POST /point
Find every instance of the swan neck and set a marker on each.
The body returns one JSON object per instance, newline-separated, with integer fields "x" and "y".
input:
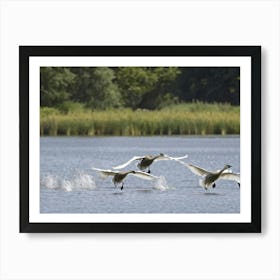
{"x": 225, "y": 168}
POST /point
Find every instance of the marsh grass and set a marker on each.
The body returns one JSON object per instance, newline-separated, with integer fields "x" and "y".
{"x": 184, "y": 119}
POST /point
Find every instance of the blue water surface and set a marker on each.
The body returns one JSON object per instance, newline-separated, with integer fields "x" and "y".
{"x": 68, "y": 185}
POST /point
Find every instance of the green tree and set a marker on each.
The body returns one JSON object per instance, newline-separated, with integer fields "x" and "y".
{"x": 133, "y": 83}
{"x": 164, "y": 90}
{"x": 55, "y": 85}
{"x": 145, "y": 87}
{"x": 95, "y": 87}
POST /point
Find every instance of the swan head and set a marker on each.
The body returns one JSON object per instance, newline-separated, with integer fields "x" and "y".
{"x": 161, "y": 154}
{"x": 227, "y": 166}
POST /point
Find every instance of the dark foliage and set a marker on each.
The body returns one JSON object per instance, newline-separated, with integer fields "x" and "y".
{"x": 101, "y": 88}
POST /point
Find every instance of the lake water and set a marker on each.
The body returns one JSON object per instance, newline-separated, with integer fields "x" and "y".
{"x": 68, "y": 185}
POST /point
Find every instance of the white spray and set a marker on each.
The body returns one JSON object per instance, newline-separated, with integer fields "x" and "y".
{"x": 80, "y": 181}
{"x": 161, "y": 184}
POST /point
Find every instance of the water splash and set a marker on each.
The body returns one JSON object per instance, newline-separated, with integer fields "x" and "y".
{"x": 161, "y": 184}
{"x": 79, "y": 181}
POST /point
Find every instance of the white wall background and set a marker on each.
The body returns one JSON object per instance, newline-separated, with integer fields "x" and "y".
{"x": 139, "y": 256}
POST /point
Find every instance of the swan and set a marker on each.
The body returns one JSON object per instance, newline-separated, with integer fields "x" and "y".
{"x": 146, "y": 161}
{"x": 118, "y": 176}
{"x": 210, "y": 177}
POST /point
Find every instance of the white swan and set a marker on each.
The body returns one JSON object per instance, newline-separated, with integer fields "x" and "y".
{"x": 146, "y": 161}
{"x": 118, "y": 176}
{"x": 210, "y": 177}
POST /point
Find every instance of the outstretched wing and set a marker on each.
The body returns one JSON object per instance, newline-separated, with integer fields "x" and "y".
{"x": 144, "y": 175}
{"x": 166, "y": 157}
{"x": 105, "y": 172}
{"x": 230, "y": 176}
{"x": 196, "y": 170}
{"x": 128, "y": 162}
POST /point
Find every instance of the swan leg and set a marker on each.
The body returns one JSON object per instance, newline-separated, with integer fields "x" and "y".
{"x": 122, "y": 186}
{"x": 214, "y": 185}
{"x": 238, "y": 185}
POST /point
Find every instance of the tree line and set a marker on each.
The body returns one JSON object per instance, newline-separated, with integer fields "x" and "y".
{"x": 101, "y": 88}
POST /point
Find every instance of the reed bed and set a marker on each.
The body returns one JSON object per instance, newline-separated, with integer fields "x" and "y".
{"x": 187, "y": 119}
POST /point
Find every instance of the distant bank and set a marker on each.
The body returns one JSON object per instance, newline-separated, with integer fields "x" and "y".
{"x": 183, "y": 119}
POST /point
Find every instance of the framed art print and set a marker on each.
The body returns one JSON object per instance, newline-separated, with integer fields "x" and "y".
{"x": 140, "y": 138}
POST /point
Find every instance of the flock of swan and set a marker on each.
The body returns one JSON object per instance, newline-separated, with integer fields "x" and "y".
{"x": 207, "y": 180}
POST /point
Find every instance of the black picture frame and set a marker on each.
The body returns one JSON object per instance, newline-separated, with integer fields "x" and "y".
{"x": 25, "y": 52}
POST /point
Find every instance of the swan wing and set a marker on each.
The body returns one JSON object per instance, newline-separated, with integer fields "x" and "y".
{"x": 196, "y": 170}
{"x": 230, "y": 176}
{"x": 166, "y": 157}
{"x": 144, "y": 175}
{"x": 105, "y": 172}
{"x": 128, "y": 162}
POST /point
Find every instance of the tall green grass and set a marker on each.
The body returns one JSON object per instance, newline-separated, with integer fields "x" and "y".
{"x": 183, "y": 119}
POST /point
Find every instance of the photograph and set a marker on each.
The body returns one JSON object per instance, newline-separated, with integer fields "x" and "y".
{"x": 124, "y": 136}
{"x": 139, "y": 140}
